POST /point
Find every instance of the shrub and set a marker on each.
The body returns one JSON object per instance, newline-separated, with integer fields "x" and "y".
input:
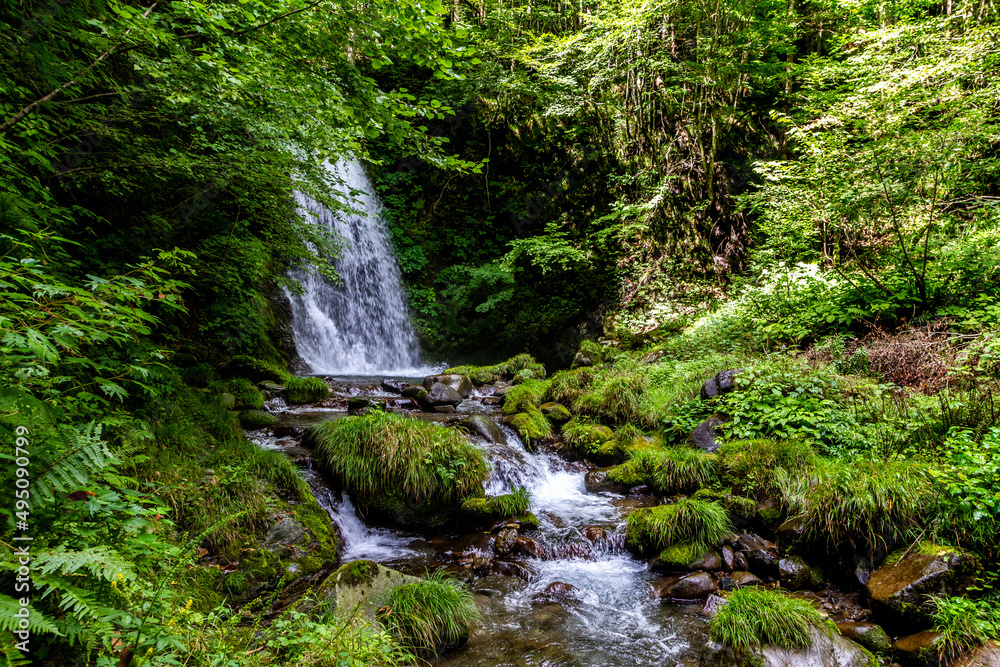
{"x": 964, "y": 624}
{"x": 527, "y": 394}
{"x": 531, "y": 425}
{"x": 755, "y": 617}
{"x": 306, "y": 390}
{"x": 430, "y": 615}
{"x": 752, "y": 465}
{"x": 857, "y": 502}
{"x": 969, "y": 490}
{"x": 248, "y": 397}
{"x": 257, "y": 370}
{"x": 506, "y": 370}
{"x": 384, "y": 454}
{"x": 616, "y": 394}
{"x": 671, "y": 470}
{"x": 699, "y": 523}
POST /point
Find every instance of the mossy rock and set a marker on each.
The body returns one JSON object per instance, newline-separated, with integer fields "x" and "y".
{"x": 506, "y": 370}
{"x": 257, "y": 370}
{"x": 904, "y": 582}
{"x": 556, "y": 412}
{"x": 256, "y": 419}
{"x": 246, "y": 396}
{"x": 300, "y": 391}
{"x": 531, "y": 425}
{"x": 360, "y": 586}
{"x": 582, "y": 436}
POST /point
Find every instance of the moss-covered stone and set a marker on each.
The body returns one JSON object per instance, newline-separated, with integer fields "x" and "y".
{"x": 909, "y": 576}
{"x": 506, "y": 370}
{"x": 299, "y": 391}
{"x": 254, "y": 419}
{"x": 556, "y": 412}
{"x": 531, "y": 425}
{"x": 257, "y": 370}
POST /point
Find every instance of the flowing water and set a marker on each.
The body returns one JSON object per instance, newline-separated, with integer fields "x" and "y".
{"x": 360, "y": 326}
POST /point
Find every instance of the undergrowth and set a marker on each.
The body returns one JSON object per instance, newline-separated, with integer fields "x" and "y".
{"x": 431, "y": 615}
{"x": 754, "y": 617}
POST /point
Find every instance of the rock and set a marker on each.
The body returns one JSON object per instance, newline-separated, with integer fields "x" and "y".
{"x": 790, "y": 532}
{"x": 761, "y": 555}
{"x": 509, "y": 568}
{"x": 556, "y": 412}
{"x": 486, "y": 427}
{"x": 869, "y": 635}
{"x": 273, "y": 387}
{"x": 442, "y": 394}
{"x": 728, "y": 557}
{"x": 415, "y": 392}
{"x": 227, "y": 401}
{"x": 742, "y": 578}
{"x": 769, "y": 511}
{"x": 505, "y": 541}
{"x": 707, "y": 561}
{"x": 559, "y": 589}
{"x": 740, "y": 562}
{"x": 903, "y": 583}
{"x": 596, "y": 481}
{"x": 706, "y": 434}
{"x": 362, "y": 585}
{"x": 794, "y": 573}
{"x": 595, "y": 534}
{"x": 286, "y": 431}
{"x": 581, "y": 359}
{"x": 984, "y": 656}
{"x": 827, "y": 650}
{"x": 444, "y": 408}
{"x": 393, "y": 386}
{"x": 284, "y": 536}
{"x": 713, "y": 604}
{"x": 694, "y": 586}
{"x": 526, "y": 546}
{"x": 358, "y": 404}
{"x": 721, "y": 383}
{"x": 254, "y": 419}
{"x": 460, "y": 383}
{"x": 501, "y": 389}
{"x": 917, "y": 650}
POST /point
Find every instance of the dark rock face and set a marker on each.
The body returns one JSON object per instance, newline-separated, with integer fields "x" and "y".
{"x": 393, "y": 386}
{"x": 688, "y": 588}
{"x": 869, "y": 635}
{"x": 761, "y": 555}
{"x": 596, "y": 481}
{"x": 713, "y": 604}
{"x": 526, "y": 546}
{"x": 721, "y": 383}
{"x": 706, "y": 434}
{"x": 486, "y": 427}
{"x": 442, "y": 394}
{"x": 794, "y": 573}
{"x": 460, "y": 383}
{"x": 413, "y": 391}
{"x": 558, "y": 589}
{"x": 903, "y": 584}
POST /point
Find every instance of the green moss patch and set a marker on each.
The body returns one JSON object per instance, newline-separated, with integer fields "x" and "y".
{"x": 531, "y": 425}
{"x": 257, "y": 370}
{"x": 690, "y": 521}
{"x": 299, "y": 391}
{"x": 487, "y": 510}
{"x": 525, "y": 395}
{"x": 506, "y": 370}
{"x": 752, "y": 465}
{"x": 670, "y": 470}
{"x": 755, "y": 617}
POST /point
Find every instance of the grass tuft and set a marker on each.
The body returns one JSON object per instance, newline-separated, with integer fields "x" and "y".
{"x": 248, "y": 397}
{"x": 515, "y": 503}
{"x": 430, "y": 615}
{"x": 582, "y": 435}
{"x": 306, "y": 390}
{"x": 527, "y": 394}
{"x": 755, "y": 617}
{"x": 671, "y": 470}
{"x": 752, "y": 465}
{"x": 964, "y": 624}
{"x": 699, "y": 523}
{"x": 506, "y": 370}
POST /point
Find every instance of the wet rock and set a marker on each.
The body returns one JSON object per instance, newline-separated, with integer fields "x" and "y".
{"x": 444, "y": 408}
{"x": 272, "y": 387}
{"x": 728, "y": 557}
{"x": 742, "y": 578}
{"x": 254, "y": 419}
{"x": 510, "y": 568}
{"x": 984, "y": 656}
{"x": 286, "y": 431}
{"x": 761, "y": 554}
{"x": 415, "y": 392}
{"x": 863, "y": 571}
{"x": 903, "y": 583}
{"x": 687, "y": 588}
{"x": 869, "y": 635}
{"x": 357, "y": 405}
{"x": 708, "y": 560}
{"x": 740, "y": 562}
{"x": 361, "y": 585}
{"x": 486, "y": 427}
{"x": 500, "y": 389}
{"x": 595, "y": 534}
{"x": 393, "y": 386}
{"x": 559, "y": 589}
{"x": 790, "y": 532}
{"x": 596, "y": 481}
{"x": 794, "y": 573}
{"x": 706, "y": 434}
{"x": 442, "y": 394}
{"x": 505, "y": 540}
{"x": 526, "y": 546}
{"x": 917, "y": 650}
{"x": 460, "y": 383}
{"x": 827, "y": 650}
{"x": 769, "y": 511}
{"x": 713, "y": 604}
{"x": 556, "y": 412}
{"x": 721, "y": 383}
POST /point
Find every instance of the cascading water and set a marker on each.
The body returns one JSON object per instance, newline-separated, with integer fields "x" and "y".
{"x": 360, "y": 326}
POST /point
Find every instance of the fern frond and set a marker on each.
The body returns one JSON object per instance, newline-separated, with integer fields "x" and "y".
{"x": 37, "y": 621}
{"x": 102, "y": 562}
{"x": 10, "y": 656}
{"x": 83, "y": 453}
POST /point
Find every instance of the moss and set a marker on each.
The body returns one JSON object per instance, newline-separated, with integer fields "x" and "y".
{"x": 527, "y": 521}
{"x": 506, "y": 370}
{"x": 299, "y": 391}
{"x": 584, "y": 436}
{"x": 525, "y": 395}
{"x": 531, "y": 425}
{"x": 682, "y": 553}
{"x": 566, "y": 386}
{"x": 199, "y": 375}
{"x": 254, "y": 419}
{"x": 254, "y": 369}
{"x": 356, "y": 573}
{"x": 524, "y": 375}
{"x": 752, "y": 464}
{"x": 260, "y": 565}
{"x": 670, "y": 470}
{"x": 317, "y": 522}
{"x": 556, "y": 413}
{"x": 247, "y": 396}
{"x": 689, "y": 521}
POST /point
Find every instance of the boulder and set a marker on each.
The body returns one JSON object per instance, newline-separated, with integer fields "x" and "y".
{"x": 728, "y": 557}
{"x": 284, "y": 536}
{"x": 526, "y": 546}
{"x": 706, "y": 435}
{"x": 393, "y": 386}
{"x": 761, "y": 555}
{"x": 708, "y": 561}
{"x": 791, "y": 532}
{"x": 713, "y": 604}
{"x": 556, "y": 412}
{"x": 687, "y": 588}
{"x": 442, "y": 394}
{"x": 869, "y": 635}
{"x": 445, "y": 408}
{"x": 460, "y": 383}
{"x": 360, "y": 585}
{"x": 227, "y": 401}
{"x": 984, "y": 656}
{"x": 254, "y": 419}
{"x": 596, "y": 481}
{"x": 827, "y": 650}
{"x": 721, "y": 383}
{"x": 486, "y": 427}
{"x": 595, "y": 534}
{"x": 559, "y": 590}
{"x": 917, "y": 650}
{"x": 414, "y": 392}
{"x": 743, "y": 578}
{"x": 505, "y": 541}
{"x": 902, "y": 584}
{"x": 357, "y": 405}
{"x": 794, "y": 573}
{"x": 511, "y": 568}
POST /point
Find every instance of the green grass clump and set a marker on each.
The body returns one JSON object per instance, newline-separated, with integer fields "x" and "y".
{"x": 616, "y": 394}
{"x": 248, "y": 397}
{"x": 964, "y": 624}
{"x": 384, "y": 454}
{"x": 506, "y": 370}
{"x": 671, "y": 470}
{"x": 698, "y": 523}
{"x": 430, "y": 615}
{"x": 515, "y": 503}
{"x": 752, "y": 465}
{"x": 583, "y": 435}
{"x": 857, "y": 502}
{"x": 566, "y": 386}
{"x": 531, "y": 424}
{"x": 306, "y": 390}
{"x": 527, "y": 394}
{"x": 257, "y": 370}
{"x": 756, "y": 617}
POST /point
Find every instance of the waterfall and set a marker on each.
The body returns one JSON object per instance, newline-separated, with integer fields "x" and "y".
{"x": 360, "y": 326}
